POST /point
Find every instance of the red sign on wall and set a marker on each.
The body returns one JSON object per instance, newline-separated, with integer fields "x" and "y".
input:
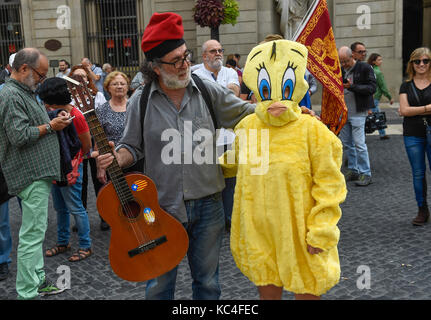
{"x": 127, "y": 43}
{"x": 110, "y": 43}
{"x": 12, "y": 48}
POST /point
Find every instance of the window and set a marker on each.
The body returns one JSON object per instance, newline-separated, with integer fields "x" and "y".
{"x": 11, "y": 37}
{"x": 113, "y": 35}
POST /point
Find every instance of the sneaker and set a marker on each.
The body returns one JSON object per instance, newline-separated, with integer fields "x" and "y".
{"x": 4, "y": 271}
{"x": 47, "y": 289}
{"x": 351, "y": 176}
{"x": 363, "y": 180}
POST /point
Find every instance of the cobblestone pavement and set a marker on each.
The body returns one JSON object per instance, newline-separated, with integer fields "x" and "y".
{"x": 377, "y": 239}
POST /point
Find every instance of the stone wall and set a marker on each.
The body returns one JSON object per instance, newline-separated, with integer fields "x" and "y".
{"x": 378, "y": 24}
{"x": 257, "y": 19}
{"x": 44, "y": 23}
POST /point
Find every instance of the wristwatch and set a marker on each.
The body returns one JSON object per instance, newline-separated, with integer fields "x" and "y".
{"x": 49, "y": 128}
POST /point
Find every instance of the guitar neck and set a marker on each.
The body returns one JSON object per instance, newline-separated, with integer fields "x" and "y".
{"x": 114, "y": 170}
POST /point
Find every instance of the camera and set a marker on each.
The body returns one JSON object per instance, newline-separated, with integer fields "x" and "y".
{"x": 375, "y": 121}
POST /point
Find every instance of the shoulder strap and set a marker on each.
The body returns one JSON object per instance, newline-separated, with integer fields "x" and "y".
{"x": 143, "y": 101}
{"x": 415, "y": 92}
{"x": 206, "y": 97}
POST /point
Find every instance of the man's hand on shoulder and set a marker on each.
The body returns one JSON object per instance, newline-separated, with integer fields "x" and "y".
{"x": 305, "y": 110}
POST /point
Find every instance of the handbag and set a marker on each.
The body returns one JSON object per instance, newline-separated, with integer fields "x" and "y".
{"x": 427, "y": 126}
{"x": 73, "y": 175}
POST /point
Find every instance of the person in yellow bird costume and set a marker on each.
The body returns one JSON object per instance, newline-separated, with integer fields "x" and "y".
{"x": 289, "y": 184}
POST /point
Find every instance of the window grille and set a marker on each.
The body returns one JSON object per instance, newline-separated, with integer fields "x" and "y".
{"x": 11, "y": 36}
{"x": 114, "y": 33}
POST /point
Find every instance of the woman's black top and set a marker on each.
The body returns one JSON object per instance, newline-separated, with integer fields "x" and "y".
{"x": 414, "y": 126}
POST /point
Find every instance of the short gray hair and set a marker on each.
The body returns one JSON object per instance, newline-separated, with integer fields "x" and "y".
{"x": 29, "y": 56}
{"x": 345, "y": 51}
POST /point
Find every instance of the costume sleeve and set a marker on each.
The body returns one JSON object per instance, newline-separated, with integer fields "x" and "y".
{"x": 328, "y": 188}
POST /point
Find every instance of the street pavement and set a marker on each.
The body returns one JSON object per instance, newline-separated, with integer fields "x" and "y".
{"x": 382, "y": 255}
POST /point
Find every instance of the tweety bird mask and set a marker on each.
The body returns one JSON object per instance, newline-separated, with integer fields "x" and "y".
{"x": 275, "y": 71}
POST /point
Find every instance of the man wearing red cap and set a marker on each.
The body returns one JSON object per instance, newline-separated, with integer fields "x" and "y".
{"x": 189, "y": 190}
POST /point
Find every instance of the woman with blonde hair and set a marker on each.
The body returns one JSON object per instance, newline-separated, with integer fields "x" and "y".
{"x": 112, "y": 114}
{"x": 415, "y": 106}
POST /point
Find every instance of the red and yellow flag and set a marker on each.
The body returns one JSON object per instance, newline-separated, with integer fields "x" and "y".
{"x": 317, "y": 35}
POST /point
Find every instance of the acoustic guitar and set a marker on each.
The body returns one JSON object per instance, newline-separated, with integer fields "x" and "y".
{"x": 146, "y": 241}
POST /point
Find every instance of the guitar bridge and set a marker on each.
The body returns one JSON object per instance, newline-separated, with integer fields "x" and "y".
{"x": 147, "y": 246}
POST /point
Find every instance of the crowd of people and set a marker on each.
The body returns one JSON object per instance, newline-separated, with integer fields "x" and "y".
{"x": 45, "y": 139}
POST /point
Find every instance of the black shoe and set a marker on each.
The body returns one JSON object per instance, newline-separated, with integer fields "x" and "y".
{"x": 351, "y": 176}
{"x": 384, "y": 137}
{"x": 104, "y": 226}
{"x": 363, "y": 180}
{"x": 4, "y": 271}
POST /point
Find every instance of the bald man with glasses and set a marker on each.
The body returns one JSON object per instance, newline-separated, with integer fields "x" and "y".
{"x": 213, "y": 69}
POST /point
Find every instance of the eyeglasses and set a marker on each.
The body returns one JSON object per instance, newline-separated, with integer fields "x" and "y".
{"x": 118, "y": 84}
{"x": 361, "y": 51}
{"x": 214, "y": 51}
{"x": 41, "y": 77}
{"x": 180, "y": 62}
{"x": 418, "y": 61}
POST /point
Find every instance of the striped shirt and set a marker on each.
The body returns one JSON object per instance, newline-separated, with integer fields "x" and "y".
{"x": 24, "y": 156}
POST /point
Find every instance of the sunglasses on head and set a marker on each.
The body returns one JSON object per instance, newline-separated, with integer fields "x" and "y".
{"x": 418, "y": 61}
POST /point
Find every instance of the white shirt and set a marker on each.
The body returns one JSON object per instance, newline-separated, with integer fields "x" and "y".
{"x": 225, "y": 76}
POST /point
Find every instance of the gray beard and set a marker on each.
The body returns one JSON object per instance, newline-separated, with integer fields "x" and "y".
{"x": 30, "y": 82}
{"x": 172, "y": 81}
{"x": 216, "y": 64}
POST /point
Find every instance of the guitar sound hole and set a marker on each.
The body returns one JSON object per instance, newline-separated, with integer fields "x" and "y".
{"x": 131, "y": 210}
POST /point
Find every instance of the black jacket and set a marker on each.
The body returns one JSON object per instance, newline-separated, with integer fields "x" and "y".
{"x": 4, "y": 195}
{"x": 364, "y": 86}
{"x": 69, "y": 147}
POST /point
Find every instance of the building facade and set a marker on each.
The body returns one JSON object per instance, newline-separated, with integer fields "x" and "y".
{"x": 111, "y": 30}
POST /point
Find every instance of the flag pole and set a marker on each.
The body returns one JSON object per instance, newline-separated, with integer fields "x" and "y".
{"x": 305, "y": 19}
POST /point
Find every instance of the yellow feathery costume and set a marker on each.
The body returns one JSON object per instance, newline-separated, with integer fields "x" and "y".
{"x": 289, "y": 184}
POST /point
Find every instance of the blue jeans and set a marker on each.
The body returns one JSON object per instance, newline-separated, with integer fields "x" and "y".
{"x": 376, "y": 108}
{"x": 205, "y": 228}
{"x": 416, "y": 149}
{"x": 353, "y": 137}
{"x": 67, "y": 200}
{"x": 5, "y": 236}
{"x": 227, "y": 194}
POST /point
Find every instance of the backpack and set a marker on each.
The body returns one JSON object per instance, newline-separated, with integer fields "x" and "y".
{"x": 143, "y": 102}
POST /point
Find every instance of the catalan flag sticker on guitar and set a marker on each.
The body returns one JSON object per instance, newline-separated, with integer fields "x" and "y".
{"x": 139, "y": 185}
{"x": 149, "y": 215}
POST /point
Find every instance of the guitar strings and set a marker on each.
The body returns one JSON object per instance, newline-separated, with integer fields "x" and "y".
{"x": 84, "y": 103}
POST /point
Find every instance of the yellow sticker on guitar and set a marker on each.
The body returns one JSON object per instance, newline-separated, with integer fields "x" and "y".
{"x": 139, "y": 185}
{"x": 149, "y": 215}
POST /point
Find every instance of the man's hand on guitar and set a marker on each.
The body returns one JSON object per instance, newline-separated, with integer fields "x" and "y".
{"x": 101, "y": 175}
{"x": 103, "y": 161}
